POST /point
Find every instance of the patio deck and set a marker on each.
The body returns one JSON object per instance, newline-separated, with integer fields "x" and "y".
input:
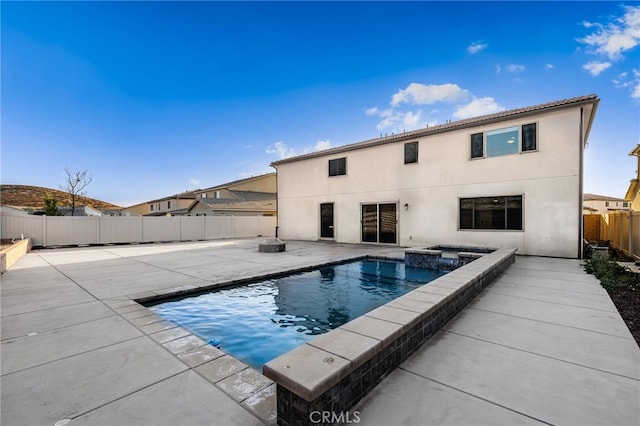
{"x": 543, "y": 343}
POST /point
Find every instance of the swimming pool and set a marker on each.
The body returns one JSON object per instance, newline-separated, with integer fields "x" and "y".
{"x": 258, "y": 322}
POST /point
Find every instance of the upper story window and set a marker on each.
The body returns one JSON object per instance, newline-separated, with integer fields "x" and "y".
{"x": 529, "y": 137}
{"x": 168, "y": 204}
{"x": 477, "y": 145}
{"x": 506, "y": 141}
{"x": 410, "y": 152}
{"x": 151, "y": 207}
{"x": 203, "y": 195}
{"x": 338, "y": 166}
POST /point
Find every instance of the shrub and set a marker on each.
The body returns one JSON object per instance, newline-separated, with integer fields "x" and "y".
{"x": 610, "y": 273}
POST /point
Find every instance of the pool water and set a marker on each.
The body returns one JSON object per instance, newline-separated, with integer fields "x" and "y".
{"x": 258, "y": 322}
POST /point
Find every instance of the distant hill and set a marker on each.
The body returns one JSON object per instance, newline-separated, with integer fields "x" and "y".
{"x": 33, "y": 196}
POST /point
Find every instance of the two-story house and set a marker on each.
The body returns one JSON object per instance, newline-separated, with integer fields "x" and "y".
{"x": 253, "y": 196}
{"x": 509, "y": 179}
{"x": 633, "y": 192}
{"x": 603, "y": 204}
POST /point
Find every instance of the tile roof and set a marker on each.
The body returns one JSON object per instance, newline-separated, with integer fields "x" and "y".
{"x": 450, "y": 126}
{"x": 596, "y": 197}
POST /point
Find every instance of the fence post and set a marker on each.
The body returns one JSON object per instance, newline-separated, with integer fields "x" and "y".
{"x": 630, "y": 242}
{"x": 44, "y": 230}
{"x": 97, "y": 229}
{"x": 141, "y": 235}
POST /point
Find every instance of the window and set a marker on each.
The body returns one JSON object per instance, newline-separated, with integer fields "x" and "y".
{"x": 203, "y": 195}
{"x": 606, "y": 204}
{"x": 477, "y": 145}
{"x": 529, "y": 141}
{"x": 410, "y": 152}
{"x": 338, "y": 166}
{"x": 491, "y": 213}
{"x": 625, "y": 205}
{"x": 507, "y": 141}
{"x": 151, "y": 207}
{"x": 168, "y": 204}
{"x": 502, "y": 142}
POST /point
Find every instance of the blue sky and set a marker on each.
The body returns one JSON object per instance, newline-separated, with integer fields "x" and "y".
{"x": 155, "y": 98}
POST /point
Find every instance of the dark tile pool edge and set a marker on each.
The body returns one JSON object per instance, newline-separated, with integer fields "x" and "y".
{"x": 156, "y": 297}
{"x": 312, "y": 379}
{"x": 214, "y": 365}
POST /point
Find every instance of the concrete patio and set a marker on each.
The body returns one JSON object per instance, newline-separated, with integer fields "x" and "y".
{"x": 542, "y": 344}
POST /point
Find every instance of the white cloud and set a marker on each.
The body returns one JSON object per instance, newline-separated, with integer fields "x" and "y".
{"x": 476, "y": 47}
{"x": 515, "y": 68}
{"x": 595, "y": 67}
{"x": 615, "y": 38}
{"x": 398, "y": 121}
{"x": 425, "y": 94}
{"x": 194, "y": 182}
{"x": 635, "y": 92}
{"x": 281, "y": 150}
{"x": 477, "y": 107}
{"x": 320, "y": 145}
{"x": 548, "y": 66}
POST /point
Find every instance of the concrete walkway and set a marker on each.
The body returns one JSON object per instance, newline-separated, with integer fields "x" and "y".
{"x": 544, "y": 343}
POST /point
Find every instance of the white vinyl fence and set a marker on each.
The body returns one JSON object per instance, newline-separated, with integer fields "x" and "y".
{"x": 64, "y": 230}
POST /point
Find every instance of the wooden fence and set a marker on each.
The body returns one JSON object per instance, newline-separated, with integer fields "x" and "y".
{"x": 621, "y": 229}
{"x": 83, "y": 230}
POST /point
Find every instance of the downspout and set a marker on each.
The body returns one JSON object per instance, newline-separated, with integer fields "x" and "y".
{"x": 277, "y": 196}
{"x": 580, "y": 184}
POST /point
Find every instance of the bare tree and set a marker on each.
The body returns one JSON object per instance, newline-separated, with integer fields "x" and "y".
{"x": 75, "y": 184}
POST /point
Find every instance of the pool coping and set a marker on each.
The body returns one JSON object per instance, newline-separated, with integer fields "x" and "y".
{"x": 333, "y": 372}
{"x": 329, "y": 360}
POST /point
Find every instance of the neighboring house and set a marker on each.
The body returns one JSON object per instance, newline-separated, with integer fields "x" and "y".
{"x": 80, "y": 211}
{"x": 237, "y": 203}
{"x": 167, "y": 206}
{"x": 633, "y": 193}
{"x": 13, "y": 211}
{"x": 601, "y": 204}
{"x": 173, "y": 205}
{"x": 254, "y": 196}
{"x": 510, "y": 179}
{"x": 240, "y": 197}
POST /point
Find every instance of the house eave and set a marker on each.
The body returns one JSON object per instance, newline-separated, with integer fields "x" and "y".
{"x": 458, "y": 125}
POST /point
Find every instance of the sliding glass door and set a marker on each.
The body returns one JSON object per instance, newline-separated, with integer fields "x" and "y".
{"x": 379, "y": 223}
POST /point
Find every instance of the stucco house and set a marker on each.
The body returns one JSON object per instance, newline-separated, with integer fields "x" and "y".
{"x": 633, "y": 192}
{"x": 253, "y": 196}
{"x": 509, "y": 179}
{"x": 603, "y": 204}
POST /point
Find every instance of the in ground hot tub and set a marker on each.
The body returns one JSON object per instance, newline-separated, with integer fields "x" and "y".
{"x": 444, "y": 257}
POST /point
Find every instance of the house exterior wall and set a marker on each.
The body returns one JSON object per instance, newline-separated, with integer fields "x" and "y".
{"x": 549, "y": 180}
{"x": 136, "y": 210}
{"x": 266, "y": 183}
{"x": 169, "y": 205}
